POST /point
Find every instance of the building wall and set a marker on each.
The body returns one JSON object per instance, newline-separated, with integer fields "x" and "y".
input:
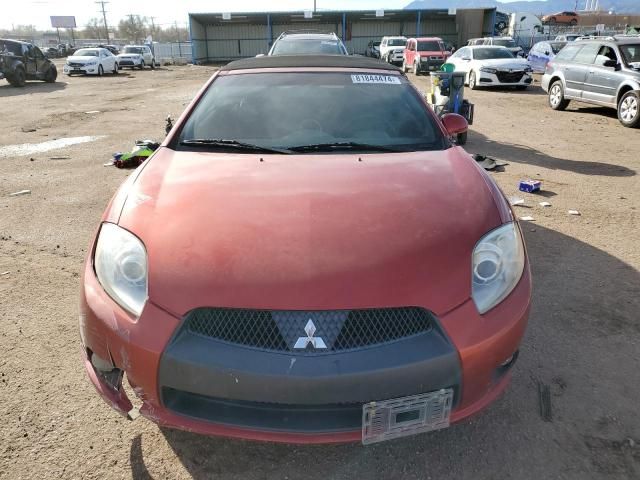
{"x": 238, "y": 39}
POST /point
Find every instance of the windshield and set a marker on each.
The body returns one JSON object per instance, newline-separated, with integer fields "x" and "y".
{"x": 429, "y": 47}
{"x": 132, "y": 50}
{"x": 631, "y": 53}
{"x": 556, "y": 47}
{"x": 491, "y": 53}
{"x": 397, "y": 42}
{"x": 505, "y": 43}
{"x": 286, "y": 110}
{"x": 86, "y": 53}
{"x": 376, "y": 44}
{"x": 307, "y": 47}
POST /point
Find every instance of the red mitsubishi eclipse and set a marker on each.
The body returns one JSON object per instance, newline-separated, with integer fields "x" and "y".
{"x": 306, "y": 258}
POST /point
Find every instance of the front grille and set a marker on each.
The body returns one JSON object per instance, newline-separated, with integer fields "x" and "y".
{"x": 74, "y": 64}
{"x": 279, "y": 330}
{"x": 509, "y": 77}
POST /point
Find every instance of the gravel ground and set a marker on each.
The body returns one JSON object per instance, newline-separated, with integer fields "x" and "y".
{"x": 583, "y": 339}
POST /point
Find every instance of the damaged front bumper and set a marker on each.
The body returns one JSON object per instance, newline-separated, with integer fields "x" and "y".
{"x": 149, "y": 354}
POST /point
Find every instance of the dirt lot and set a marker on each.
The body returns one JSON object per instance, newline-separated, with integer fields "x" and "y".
{"x": 583, "y": 338}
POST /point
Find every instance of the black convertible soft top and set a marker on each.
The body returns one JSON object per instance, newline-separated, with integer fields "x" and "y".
{"x": 293, "y": 61}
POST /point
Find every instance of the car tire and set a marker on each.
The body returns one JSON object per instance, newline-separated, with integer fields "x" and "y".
{"x": 552, "y": 21}
{"x": 153, "y": 64}
{"x": 18, "y": 78}
{"x": 629, "y": 110}
{"x": 404, "y": 67}
{"x": 556, "y": 96}
{"x": 416, "y": 68}
{"x": 573, "y": 22}
{"x": 116, "y": 67}
{"x": 51, "y": 75}
{"x": 100, "y": 71}
{"x": 141, "y": 65}
{"x": 472, "y": 80}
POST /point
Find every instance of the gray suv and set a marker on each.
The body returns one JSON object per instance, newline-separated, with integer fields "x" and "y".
{"x": 601, "y": 71}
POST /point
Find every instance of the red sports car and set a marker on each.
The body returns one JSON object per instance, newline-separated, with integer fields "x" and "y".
{"x": 306, "y": 258}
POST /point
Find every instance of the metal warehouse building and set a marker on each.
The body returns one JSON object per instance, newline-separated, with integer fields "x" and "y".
{"x": 225, "y": 36}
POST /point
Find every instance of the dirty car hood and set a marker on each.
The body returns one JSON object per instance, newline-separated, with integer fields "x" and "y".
{"x": 310, "y": 231}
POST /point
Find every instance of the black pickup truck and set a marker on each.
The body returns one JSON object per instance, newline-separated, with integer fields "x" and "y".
{"x": 22, "y": 61}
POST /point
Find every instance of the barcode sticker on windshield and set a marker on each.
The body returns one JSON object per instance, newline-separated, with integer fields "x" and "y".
{"x": 385, "y": 79}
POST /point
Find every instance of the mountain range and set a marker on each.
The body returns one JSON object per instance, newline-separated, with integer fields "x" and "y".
{"x": 537, "y": 7}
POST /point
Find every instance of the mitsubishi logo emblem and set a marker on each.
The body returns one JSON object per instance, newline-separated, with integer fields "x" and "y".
{"x": 316, "y": 342}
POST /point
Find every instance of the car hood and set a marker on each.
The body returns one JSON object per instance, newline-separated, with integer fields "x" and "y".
{"x": 513, "y": 63}
{"x": 310, "y": 231}
{"x": 129, "y": 55}
{"x": 82, "y": 59}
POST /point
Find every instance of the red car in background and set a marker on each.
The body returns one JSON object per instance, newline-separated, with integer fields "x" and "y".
{"x": 424, "y": 54}
{"x": 309, "y": 258}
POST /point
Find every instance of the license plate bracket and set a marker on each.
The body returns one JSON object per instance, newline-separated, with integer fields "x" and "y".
{"x": 401, "y": 417}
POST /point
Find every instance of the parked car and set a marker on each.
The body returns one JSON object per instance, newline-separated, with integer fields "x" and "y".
{"x": 392, "y": 49}
{"x": 282, "y": 319}
{"x": 112, "y": 48}
{"x": 602, "y": 72}
{"x": 22, "y": 61}
{"x": 308, "y": 43}
{"x": 139, "y": 56}
{"x": 373, "y": 50}
{"x": 567, "y": 37}
{"x": 506, "y": 42}
{"x": 501, "y": 24}
{"x": 566, "y": 18}
{"x": 424, "y": 54}
{"x": 91, "y": 61}
{"x": 52, "y": 52}
{"x": 487, "y": 66}
{"x": 541, "y": 53}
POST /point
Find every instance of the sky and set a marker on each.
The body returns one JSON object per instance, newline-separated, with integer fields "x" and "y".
{"x": 37, "y": 12}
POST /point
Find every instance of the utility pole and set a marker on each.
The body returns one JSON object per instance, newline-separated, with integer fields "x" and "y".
{"x": 314, "y": 6}
{"x": 104, "y": 17}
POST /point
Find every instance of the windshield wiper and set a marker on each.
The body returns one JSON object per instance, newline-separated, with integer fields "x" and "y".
{"x": 330, "y": 147}
{"x": 235, "y": 144}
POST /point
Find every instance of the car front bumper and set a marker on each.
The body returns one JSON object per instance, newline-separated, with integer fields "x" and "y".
{"x": 129, "y": 63}
{"x": 396, "y": 58}
{"x": 85, "y": 69}
{"x": 430, "y": 64}
{"x": 545, "y": 82}
{"x": 503, "y": 80}
{"x": 209, "y": 387}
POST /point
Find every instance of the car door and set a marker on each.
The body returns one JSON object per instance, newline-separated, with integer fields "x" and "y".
{"x": 463, "y": 59}
{"x": 544, "y": 53}
{"x": 42, "y": 64}
{"x": 603, "y": 77}
{"x": 575, "y": 72}
{"x": 29, "y": 59}
{"x": 409, "y": 52}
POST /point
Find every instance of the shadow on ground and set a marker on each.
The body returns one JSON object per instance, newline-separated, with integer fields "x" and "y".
{"x": 479, "y": 143}
{"x": 583, "y": 299}
{"x": 8, "y": 90}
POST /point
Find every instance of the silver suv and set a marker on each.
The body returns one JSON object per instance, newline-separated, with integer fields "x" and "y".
{"x": 601, "y": 71}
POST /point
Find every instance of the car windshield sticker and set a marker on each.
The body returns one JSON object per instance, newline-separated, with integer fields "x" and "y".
{"x": 386, "y": 79}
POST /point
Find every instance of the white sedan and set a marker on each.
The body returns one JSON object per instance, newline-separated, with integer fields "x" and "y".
{"x": 91, "y": 61}
{"x": 489, "y": 66}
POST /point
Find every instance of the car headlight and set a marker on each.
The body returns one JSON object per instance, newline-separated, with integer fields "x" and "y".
{"x": 90, "y": 63}
{"x": 488, "y": 70}
{"x": 497, "y": 265}
{"x": 120, "y": 263}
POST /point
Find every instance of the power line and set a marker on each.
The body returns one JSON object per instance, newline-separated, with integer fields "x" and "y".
{"x": 104, "y": 17}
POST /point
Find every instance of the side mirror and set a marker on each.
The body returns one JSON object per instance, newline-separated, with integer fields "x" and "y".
{"x": 454, "y": 123}
{"x": 466, "y": 59}
{"x": 547, "y": 52}
{"x": 610, "y": 63}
